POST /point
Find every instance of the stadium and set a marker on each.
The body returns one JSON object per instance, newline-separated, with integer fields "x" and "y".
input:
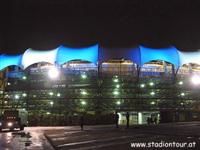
{"x": 57, "y": 86}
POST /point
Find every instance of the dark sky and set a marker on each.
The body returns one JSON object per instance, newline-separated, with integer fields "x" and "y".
{"x": 46, "y": 24}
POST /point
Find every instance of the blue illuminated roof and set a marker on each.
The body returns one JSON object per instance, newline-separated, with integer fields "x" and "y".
{"x": 10, "y": 60}
{"x": 66, "y": 54}
{"x": 31, "y": 57}
{"x": 169, "y": 54}
{"x": 139, "y": 55}
{"x": 189, "y": 57}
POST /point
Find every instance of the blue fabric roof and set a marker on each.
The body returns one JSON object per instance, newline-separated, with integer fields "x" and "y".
{"x": 66, "y": 54}
{"x": 10, "y": 60}
{"x": 169, "y": 54}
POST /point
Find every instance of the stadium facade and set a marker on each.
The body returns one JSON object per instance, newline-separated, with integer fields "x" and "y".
{"x": 58, "y": 85}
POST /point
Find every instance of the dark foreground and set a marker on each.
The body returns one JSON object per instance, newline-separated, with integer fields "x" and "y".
{"x": 179, "y": 135}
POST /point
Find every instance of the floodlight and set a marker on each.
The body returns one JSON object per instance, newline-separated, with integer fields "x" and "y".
{"x": 83, "y": 103}
{"x": 116, "y": 93}
{"x": 84, "y": 93}
{"x": 151, "y": 83}
{"x": 117, "y": 86}
{"x": 182, "y": 94}
{"x": 118, "y": 102}
{"x": 115, "y": 80}
{"x": 24, "y": 77}
{"x": 180, "y": 83}
{"x": 142, "y": 85}
{"x": 83, "y": 76}
{"x": 24, "y": 94}
{"x": 16, "y": 96}
{"x": 195, "y": 80}
{"x": 51, "y": 93}
{"x": 53, "y": 73}
{"x": 58, "y": 94}
{"x": 152, "y": 93}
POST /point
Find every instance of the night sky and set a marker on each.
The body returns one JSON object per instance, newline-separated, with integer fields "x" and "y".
{"x": 46, "y": 24}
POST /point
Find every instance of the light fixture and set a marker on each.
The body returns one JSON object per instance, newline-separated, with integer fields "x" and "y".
{"x": 24, "y": 77}
{"x": 16, "y": 96}
{"x": 152, "y": 93}
{"x": 180, "y": 82}
{"x": 58, "y": 94}
{"x": 24, "y": 94}
{"x": 153, "y": 103}
{"x": 83, "y": 92}
{"x": 83, "y": 76}
{"x": 195, "y": 80}
{"x": 151, "y": 83}
{"x": 83, "y": 103}
{"x": 53, "y": 73}
{"x": 10, "y": 124}
{"x": 48, "y": 113}
{"x": 115, "y": 80}
{"x": 116, "y": 93}
{"x": 117, "y": 86}
{"x": 182, "y": 94}
{"x": 51, "y": 93}
{"x": 51, "y": 103}
{"x": 118, "y": 102}
{"x": 142, "y": 85}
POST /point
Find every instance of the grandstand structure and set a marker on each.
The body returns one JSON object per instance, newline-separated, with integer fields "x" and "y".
{"x": 56, "y": 86}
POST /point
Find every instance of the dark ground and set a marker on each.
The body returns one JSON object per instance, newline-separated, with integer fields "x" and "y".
{"x": 108, "y": 137}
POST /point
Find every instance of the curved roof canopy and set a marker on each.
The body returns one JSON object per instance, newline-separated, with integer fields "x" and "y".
{"x": 132, "y": 54}
{"x": 169, "y": 54}
{"x": 10, "y": 60}
{"x": 189, "y": 57}
{"x": 34, "y": 56}
{"x": 66, "y": 54}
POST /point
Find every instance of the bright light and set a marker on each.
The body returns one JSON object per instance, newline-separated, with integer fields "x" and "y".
{"x": 48, "y": 113}
{"x": 8, "y": 83}
{"x": 0, "y": 124}
{"x": 84, "y": 93}
{"x": 51, "y": 93}
{"x": 153, "y": 103}
{"x": 180, "y": 83}
{"x": 195, "y": 79}
{"x": 152, "y": 93}
{"x": 83, "y": 76}
{"x": 16, "y": 96}
{"x": 10, "y": 124}
{"x": 51, "y": 103}
{"x": 24, "y": 94}
{"x": 116, "y": 93}
{"x": 53, "y": 73}
{"x": 115, "y": 80}
{"x": 142, "y": 85}
{"x": 58, "y": 94}
{"x": 118, "y": 102}
{"x": 182, "y": 94}
{"x": 83, "y": 103}
{"x": 24, "y": 77}
{"x": 151, "y": 83}
{"x": 117, "y": 86}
